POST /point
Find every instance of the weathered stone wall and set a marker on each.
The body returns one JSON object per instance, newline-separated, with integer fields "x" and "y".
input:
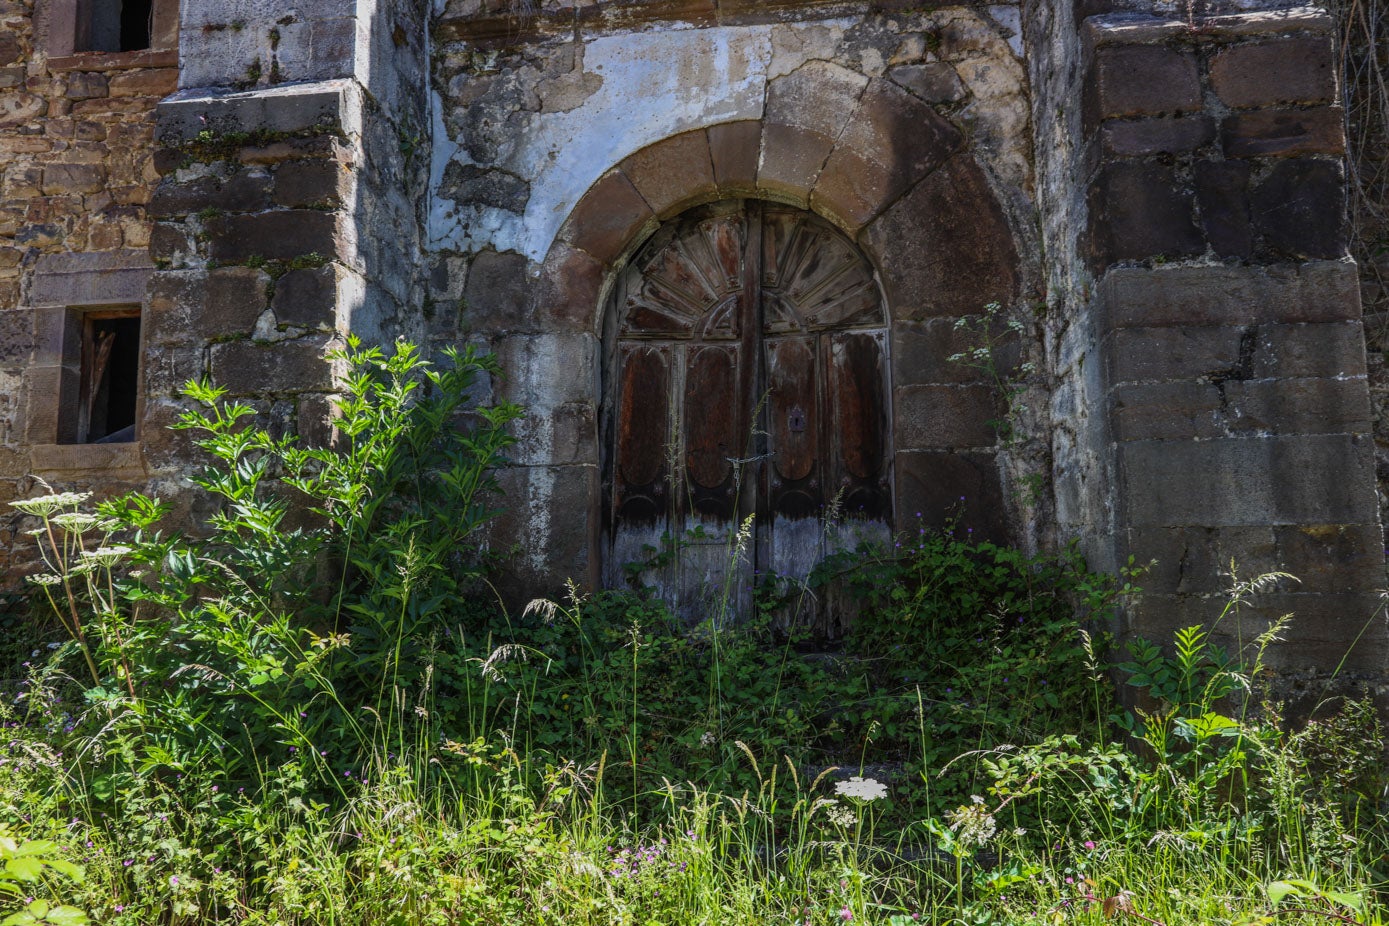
{"x": 76, "y": 173}
{"x": 1154, "y": 187}
{"x": 1363, "y": 30}
{"x": 256, "y": 51}
{"x": 565, "y": 138}
{"x": 1073, "y": 393}
{"x": 254, "y": 253}
{"x": 289, "y": 210}
{"x": 1230, "y": 327}
{"x": 288, "y": 213}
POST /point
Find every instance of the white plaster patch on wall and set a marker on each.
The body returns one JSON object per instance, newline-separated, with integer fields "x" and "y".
{"x": 655, "y": 84}
{"x": 998, "y": 114}
{"x": 1010, "y": 19}
{"x": 793, "y": 44}
{"x": 540, "y": 502}
{"x": 469, "y": 228}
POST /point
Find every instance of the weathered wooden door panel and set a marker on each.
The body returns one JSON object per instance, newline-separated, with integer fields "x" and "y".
{"x": 713, "y": 437}
{"x": 642, "y": 500}
{"x": 793, "y": 429}
{"x": 857, "y": 414}
{"x": 643, "y": 430}
{"x": 750, "y": 372}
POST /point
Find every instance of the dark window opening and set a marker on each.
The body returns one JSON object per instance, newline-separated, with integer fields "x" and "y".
{"x": 115, "y": 25}
{"x": 110, "y": 377}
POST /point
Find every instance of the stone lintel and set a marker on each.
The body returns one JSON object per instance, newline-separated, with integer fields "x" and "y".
{"x": 92, "y": 278}
{"x": 85, "y": 460}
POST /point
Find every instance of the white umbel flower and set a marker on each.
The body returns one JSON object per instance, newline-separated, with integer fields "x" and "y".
{"x": 43, "y": 505}
{"x": 840, "y": 815}
{"x": 862, "y": 789}
{"x": 77, "y": 522}
{"x": 106, "y": 556}
{"x": 972, "y": 823}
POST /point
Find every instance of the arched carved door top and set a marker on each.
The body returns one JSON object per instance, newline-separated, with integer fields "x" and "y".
{"x": 749, "y": 372}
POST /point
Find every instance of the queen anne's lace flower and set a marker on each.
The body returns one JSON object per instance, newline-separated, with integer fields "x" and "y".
{"x": 75, "y": 521}
{"x": 105, "y": 556}
{"x": 43, "y": 579}
{"x": 840, "y": 815}
{"x": 43, "y": 505}
{"x": 863, "y": 789}
{"x": 972, "y": 822}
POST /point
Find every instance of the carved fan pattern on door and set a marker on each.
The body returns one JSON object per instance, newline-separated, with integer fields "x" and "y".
{"x": 749, "y": 360}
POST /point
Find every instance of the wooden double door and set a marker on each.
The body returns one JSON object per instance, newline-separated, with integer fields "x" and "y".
{"x": 747, "y": 409}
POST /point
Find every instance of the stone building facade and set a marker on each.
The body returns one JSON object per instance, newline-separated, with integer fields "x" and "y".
{"x": 723, "y": 249}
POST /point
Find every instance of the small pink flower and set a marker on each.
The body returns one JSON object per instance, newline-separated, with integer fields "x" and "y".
{"x": 846, "y": 914}
{"x": 1089, "y": 844}
{"x": 1070, "y": 880}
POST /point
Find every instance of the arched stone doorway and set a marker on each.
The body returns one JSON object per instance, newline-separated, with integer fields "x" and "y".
{"x": 937, "y": 237}
{"x": 747, "y": 421}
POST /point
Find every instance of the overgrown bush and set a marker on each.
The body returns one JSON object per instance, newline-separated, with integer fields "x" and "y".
{"x": 292, "y": 632}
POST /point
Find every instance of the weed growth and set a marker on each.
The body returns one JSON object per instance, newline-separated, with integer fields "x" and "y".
{"x": 315, "y": 712}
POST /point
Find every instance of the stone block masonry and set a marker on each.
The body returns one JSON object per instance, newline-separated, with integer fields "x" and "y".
{"x": 254, "y": 248}
{"x": 76, "y": 176}
{"x": 1229, "y": 320}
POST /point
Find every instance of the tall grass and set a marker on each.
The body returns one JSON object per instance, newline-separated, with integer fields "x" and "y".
{"x": 211, "y": 741}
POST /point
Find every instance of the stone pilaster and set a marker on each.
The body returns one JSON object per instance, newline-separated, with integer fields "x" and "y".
{"x": 1228, "y": 321}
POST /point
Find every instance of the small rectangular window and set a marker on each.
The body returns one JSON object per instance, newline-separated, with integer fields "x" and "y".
{"x": 114, "y": 25}
{"x": 110, "y": 378}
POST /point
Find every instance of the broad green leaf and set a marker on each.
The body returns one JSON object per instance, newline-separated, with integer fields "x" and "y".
{"x": 64, "y": 867}
{"x": 25, "y": 868}
{"x": 1353, "y": 901}
{"x": 66, "y": 916}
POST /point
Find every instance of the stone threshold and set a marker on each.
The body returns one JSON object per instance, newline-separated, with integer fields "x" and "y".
{"x": 113, "y": 61}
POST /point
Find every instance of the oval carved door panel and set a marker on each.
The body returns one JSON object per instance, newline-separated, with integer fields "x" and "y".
{"x": 748, "y": 371}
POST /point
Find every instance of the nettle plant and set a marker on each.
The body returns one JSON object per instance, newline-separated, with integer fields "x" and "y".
{"x": 294, "y": 629}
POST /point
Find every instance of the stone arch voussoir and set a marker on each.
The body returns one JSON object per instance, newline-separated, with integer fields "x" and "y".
{"x": 899, "y": 179}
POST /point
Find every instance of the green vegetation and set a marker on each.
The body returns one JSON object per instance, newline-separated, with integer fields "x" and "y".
{"x": 316, "y": 711}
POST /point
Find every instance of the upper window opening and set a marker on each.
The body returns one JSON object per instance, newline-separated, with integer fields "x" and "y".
{"x": 115, "y": 25}
{"x": 110, "y": 377}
